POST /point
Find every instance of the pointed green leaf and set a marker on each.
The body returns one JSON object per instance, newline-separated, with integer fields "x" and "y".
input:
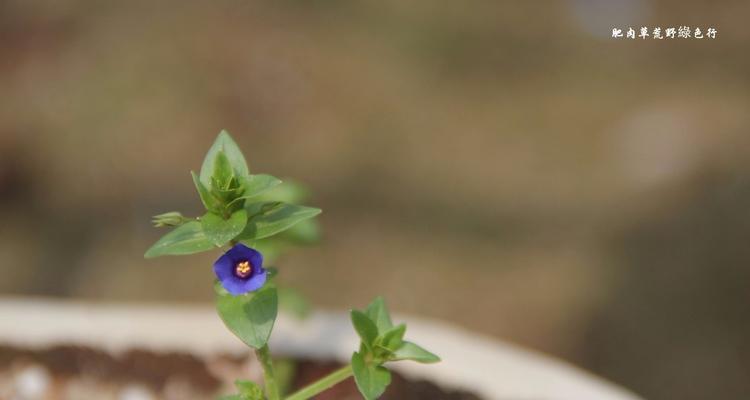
{"x": 378, "y": 312}
{"x": 393, "y": 338}
{"x": 411, "y": 351}
{"x": 270, "y": 218}
{"x": 253, "y": 186}
{"x": 257, "y": 184}
{"x": 250, "y": 316}
{"x": 220, "y": 231}
{"x": 371, "y": 379}
{"x": 188, "y": 238}
{"x": 289, "y": 192}
{"x": 224, "y": 143}
{"x": 365, "y": 328}
{"x": 208, "y": 200}
{"x": 223, "y": 172}
{"x": 305, "y": 232}
{"x": 229, "y": 194}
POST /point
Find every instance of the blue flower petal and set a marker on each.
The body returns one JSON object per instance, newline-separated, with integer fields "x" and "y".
{"x": 256, "y": 281}
{"x": 235, "y": 286}
{"x": 225, "y": 265}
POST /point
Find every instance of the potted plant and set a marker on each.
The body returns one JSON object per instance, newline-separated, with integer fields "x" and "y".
{"x": 248, "y": 216}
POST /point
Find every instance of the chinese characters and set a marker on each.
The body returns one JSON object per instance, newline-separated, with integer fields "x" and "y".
{"x": 680, "y": 32}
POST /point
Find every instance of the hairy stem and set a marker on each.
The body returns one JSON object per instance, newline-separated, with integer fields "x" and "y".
{"x": 322, "y": 384}
{"x": 272, "y": 388}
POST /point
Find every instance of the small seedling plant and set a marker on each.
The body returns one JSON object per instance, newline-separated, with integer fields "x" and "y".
{"x": 245, "y": 218}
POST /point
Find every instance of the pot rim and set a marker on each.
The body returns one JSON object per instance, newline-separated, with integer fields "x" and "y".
{"x": 492, "y": 368}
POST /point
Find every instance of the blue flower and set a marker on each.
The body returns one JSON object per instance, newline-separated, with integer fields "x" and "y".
{"x": 240, "y": 270}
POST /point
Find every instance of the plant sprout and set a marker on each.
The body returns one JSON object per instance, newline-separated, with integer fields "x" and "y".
{"x": 250, "y": 215}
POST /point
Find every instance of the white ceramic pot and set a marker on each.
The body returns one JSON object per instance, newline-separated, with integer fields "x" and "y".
{"x": 486, "y": 366}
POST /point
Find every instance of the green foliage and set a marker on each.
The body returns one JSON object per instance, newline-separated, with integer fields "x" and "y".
{"x": 381, "y": 342}
{"x": 248, "y": 390}
{"x": 223, "y": 143}
{"x": 188, "y": 238}
{"x": 270, "y": 218}
{"x": 256, "y": 210}
{"x": 219, "y": 230}
{"x": 249, "y": 316}
{"x": 173, "y": 218}
{"x": 378, "y": 313}
{"x": 304, "y": 232}
{"x": 289, "y": 191}
{"x": 411, "y": 351}
{"x": 255, "y": 185}
{"x": 371, "y": 379}
{"x": 239, "y": 206}
{"x": 223, "y": 172}
{"x": 209, "y": 201}
{"x": 393, "y": 338}
{"x": 365, "y": 327}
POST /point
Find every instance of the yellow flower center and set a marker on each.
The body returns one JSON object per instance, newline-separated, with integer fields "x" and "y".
{"x": 243, "y": 269}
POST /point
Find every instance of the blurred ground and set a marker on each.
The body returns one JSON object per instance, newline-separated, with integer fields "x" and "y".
{"x": 507, "y": 167}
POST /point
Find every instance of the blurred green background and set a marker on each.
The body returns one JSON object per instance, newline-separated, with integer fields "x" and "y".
{"x": 505, "y": 166}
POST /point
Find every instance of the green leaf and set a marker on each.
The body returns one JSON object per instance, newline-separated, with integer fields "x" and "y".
{"x": 257, "y": 184}
{"x": 223, "y": 172}
{"x": 365, "y": 328}
{"x": 393, "y": 338}
{"x": 378, "y": 312}
{"x": 249, "y": 390}
{"x": 305, "y": 232}
{"x": 231, "y": 397}
{"x": 229, "y": 194}
{"x": 289, "y": 192}
{"x": 223, "y": 143}
{"x": 253, "y": 186}
{"x": 208, "y": 200}
{"x": 250, "y": 316}
{"x": 219, "y": 230}
{"x": 371, "y": 379}
{"x": 188, "y": 238}
{"x": 270, "y": 218}
{"x": 411, "y": 351}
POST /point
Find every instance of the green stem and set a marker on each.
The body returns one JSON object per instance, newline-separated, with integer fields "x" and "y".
{"x": 272, "y": 389}
{"x": 322, "y": 384}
